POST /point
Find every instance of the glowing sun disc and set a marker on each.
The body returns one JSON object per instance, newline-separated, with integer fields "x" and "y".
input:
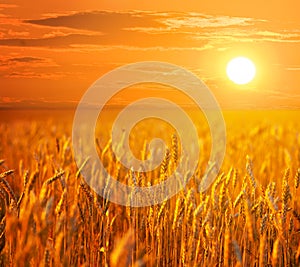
{"x": 241, "y": 70}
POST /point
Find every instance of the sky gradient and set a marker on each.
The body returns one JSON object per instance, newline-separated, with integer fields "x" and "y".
{"x": 51, "y": 52}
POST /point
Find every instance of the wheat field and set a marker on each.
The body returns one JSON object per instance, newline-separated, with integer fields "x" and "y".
{"x": 250, "y": 216}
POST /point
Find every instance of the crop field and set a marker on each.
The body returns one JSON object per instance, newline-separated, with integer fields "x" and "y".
{"x": 250, "y": 215}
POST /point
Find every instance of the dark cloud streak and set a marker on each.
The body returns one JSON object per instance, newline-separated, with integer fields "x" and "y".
{"x": 26, "y": 59}
{"x": 100, "y": 21}
{"x": 130, "y": 39}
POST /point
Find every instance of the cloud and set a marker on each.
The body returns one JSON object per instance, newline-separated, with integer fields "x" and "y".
{"x": 26, "y": 59}
{"x": 18, "y": 33}
{"x": 110, "y": 22}
{"x": 34, "y": 75}
{"x": 54, "y": 34}
{"x": 205, "y": 21}
{"x": 140, "y": 30}
{"x": 15, "y": 63}
{"x": 7, "y": 99}
{"x": 129, "y": 39}
{"x": 271, "y": 36}
{"x": 100, "y": 21}
{"x": 30, "y": 103}
{"x": 89, "y": 48}
{"x": 295, "y": 68}
{"x": 57, "y": 41}
{"x": 9, "y": 21}
{"x": 5, "y": 16}
{"x": 248, "y": 35}
{"x": 5, "y": 6}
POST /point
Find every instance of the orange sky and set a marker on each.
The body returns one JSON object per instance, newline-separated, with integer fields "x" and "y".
{"x": 52, "y": 51}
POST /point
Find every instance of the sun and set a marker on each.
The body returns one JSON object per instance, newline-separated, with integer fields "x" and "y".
{"x": 241, "y": 70}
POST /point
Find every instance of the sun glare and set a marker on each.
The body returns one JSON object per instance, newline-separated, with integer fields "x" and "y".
{"x": 241, "y": 70}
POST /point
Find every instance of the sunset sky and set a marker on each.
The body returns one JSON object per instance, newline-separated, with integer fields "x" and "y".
{"x": 52, "y": 51}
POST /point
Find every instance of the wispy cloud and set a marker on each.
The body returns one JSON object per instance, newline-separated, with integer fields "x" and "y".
{"x": 5, "y": 6}
{"x": 34, "y": 75}
{"x": 54, "y": 34}
{"x": 248, "y": 35}
{"x": 14, "y": 34}
{"x": 196, "y": 20}
{"x": 293, "y": 68}
{"x": 141, "y": 29}
{"x": 15, "y": 63}
{"x": 34, "y": 103}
